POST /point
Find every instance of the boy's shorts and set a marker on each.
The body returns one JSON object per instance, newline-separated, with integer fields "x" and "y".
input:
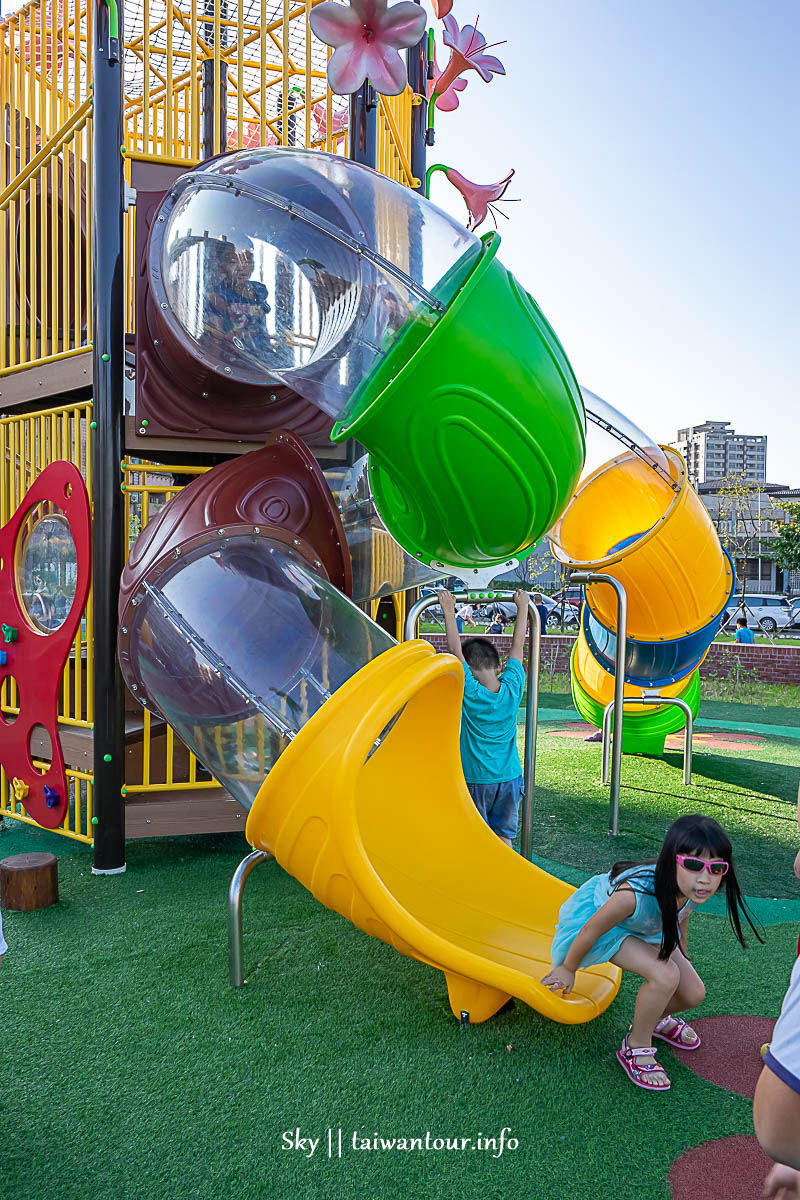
{"x": 498, "y": 804}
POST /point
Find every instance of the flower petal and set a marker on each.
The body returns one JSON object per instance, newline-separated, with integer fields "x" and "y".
{"x": 334, "y": 24}
{"x": 485, "y": 65}
{"x": 347, "y": 69}
{"x": 451, "y": 31}
{"x": 441, "y": 8}
{"x": 386, "y": 70}
{"x": 403, "y": 25}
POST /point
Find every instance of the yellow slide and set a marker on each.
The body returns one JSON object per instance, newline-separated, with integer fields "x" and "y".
{"x": 368, "y": 809}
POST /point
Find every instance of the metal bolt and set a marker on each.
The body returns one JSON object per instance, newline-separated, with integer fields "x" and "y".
{"x": 205, "y": 395}
{"x": 124, "y": 629}
{"x": 134, "y": 602}
{"x": 142, "y": 431}
{"x": 134, "y": 687}
{"x": 176, "y": 553}
{"x": 220, "y": 533}
{"x": 161, "y": 218}
{"x": 227, "y": 370}
{"x": 156, "y": 342}
{"x": 296, "y": 541}
{"x": 256, "y": 529}
{"x": 163, "y": 304}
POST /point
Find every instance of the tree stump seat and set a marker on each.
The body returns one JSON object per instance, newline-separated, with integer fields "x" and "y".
{"x": 28, "y": 882}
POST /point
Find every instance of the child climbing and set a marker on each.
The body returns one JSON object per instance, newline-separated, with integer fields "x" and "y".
{"x": 635, "y": 917}
{"x": 489, "y": 753}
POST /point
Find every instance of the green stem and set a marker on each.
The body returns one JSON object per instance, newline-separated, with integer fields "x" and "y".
{"x": 429, "y": 172}
{"x": 113, "y": 18}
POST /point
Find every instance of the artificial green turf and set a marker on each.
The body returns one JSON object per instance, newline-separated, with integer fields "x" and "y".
{"x": 752, "y": 793}
{"x": 132, "y": 1070}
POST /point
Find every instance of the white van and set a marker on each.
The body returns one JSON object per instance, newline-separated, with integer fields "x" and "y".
{"x": 765, "y": 611}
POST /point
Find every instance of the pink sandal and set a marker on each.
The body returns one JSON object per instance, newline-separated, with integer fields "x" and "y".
{"x": 675, "y": 1035}
{"x": 637, "y": 1073}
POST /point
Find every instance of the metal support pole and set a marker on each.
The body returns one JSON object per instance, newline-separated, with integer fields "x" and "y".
{"x": 417, "y": 64}
{"x": 619, "y": 685}
{"x": 651, "y": 700}
{"x": 532, "y": 703}
{"x": 207, "y": 98}
{"x": 108, "y": 362}
{"x": 235, "y": 967}
{"x": 364, "y": 125}
{"x": 531, "y": 719}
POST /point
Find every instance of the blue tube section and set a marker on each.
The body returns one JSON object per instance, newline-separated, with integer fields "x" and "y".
{"x": 653, "y": 664}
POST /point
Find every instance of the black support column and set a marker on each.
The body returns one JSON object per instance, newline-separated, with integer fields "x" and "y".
{"x": 417, "y": 64}
{"x": 108, "y": 365}
{"x": 364, "y": 125}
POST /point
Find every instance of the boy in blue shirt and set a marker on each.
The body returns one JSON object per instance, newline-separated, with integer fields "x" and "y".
{"x": 489, "y": 753}
{"x": 743, "y": 634}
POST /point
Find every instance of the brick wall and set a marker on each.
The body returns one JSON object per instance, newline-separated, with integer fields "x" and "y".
{"x": 774, "y": 664}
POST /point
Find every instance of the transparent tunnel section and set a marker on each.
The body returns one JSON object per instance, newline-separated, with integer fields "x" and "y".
{"x": 238, "y": 643}
{"x": 380, "y": 564}
{"x": 305, "y": 269}
{"x": 627, "y": 486}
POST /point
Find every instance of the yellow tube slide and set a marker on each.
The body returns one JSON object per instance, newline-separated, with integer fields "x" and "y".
{"x": 657, "y": 540}
{"x": 367, "y": 808}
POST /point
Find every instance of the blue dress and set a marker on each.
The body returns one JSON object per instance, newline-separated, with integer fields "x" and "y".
{"x": 644, "y": 922}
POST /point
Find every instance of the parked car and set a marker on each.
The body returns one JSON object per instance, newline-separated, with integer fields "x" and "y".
{"x": 572, "y": 595}
{"x": 768, "y": 612}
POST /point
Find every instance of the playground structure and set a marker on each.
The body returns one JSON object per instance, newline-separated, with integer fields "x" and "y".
{"x": 251, "y": 281}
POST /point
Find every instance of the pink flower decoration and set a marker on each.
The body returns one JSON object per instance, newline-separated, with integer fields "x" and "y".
{"x": 466, "y": 54}
{"x": 447, "y": 101}
{"x": 479, "y": 198}
{"x": 367, "y": 35}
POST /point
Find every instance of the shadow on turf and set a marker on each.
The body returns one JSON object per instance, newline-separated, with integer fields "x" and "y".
{"x": 742, "y": 774}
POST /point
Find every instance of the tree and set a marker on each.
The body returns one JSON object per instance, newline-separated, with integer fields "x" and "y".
{"x": 741, "y": 521}
{"x": 786, "y": 545}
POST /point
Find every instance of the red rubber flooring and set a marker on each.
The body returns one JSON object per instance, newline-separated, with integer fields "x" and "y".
{"x": 729, "y": 1169}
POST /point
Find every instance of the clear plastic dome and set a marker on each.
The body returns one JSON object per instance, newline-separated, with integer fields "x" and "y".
{"x": 380, "y": 564}
{"x": 238, "y": 644}
{"x": 627, "y": 486}
{"x": 305, "y": 269}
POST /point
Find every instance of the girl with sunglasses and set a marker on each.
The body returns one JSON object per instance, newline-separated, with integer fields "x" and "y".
{"x": 635, "y": 917}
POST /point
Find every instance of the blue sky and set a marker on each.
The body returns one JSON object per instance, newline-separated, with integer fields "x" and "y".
{"x": 656, "y": 149}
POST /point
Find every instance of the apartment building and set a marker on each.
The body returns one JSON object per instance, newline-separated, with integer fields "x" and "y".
{"x": 713, "y": 452}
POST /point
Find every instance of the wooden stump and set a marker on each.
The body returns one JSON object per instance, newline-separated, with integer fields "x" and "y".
{"x": 28, "y": 882}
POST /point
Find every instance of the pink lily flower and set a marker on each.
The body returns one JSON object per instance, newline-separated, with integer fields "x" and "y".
{"x": 480, "y": 198}
{"x": 446, "y": 101}
{"x": 367, "y": 35}
{"x": 467, "y": 53}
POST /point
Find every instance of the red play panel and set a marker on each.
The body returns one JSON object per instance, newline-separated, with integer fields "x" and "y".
{"x": 38, "y": 629}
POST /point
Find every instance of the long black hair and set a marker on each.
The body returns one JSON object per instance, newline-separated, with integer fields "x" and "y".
{"x": 690, "y": 835}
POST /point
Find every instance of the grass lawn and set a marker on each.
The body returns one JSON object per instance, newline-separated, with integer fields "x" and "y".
{"x": 131, "y": 1069}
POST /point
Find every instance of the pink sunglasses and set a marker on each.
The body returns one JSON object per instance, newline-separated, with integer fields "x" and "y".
{"x": 690, "y": 862}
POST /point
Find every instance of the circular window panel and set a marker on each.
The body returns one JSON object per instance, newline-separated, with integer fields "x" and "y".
{"x": 46, "y": 567}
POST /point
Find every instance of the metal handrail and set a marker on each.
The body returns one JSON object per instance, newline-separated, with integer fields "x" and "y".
{"x": 619, "y": 683}
{"x": 532, "y": 704}
{"x": 687, "y": 736}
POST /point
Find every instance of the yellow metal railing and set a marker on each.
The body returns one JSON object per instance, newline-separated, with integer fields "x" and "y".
{"x": 254, "y": 62}
{"x": 27, "y": 445}
{"x": 167, "y": 765}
